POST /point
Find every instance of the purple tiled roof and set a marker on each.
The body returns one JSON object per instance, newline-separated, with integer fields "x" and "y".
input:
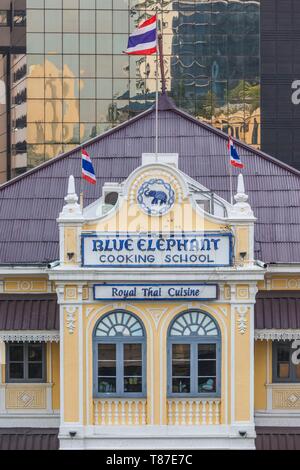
{"x": 30, "y": 204}
{"x": 277, "y": 438}
{"x": 29, "y": 312}
{"x": 277, "y": 310}
{"x": 29, "y": 439}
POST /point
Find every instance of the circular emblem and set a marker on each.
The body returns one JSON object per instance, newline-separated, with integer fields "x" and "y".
{"x": 156, "y": 197}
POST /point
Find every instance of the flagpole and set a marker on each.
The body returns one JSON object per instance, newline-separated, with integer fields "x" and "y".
{"x": 80, "y": 186}
{"x": 156, "y": 110}
{"x": 230, "y": 179}
{"x": 156, "y": 92}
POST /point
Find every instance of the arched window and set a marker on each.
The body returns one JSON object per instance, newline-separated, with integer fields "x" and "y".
{"x": 194, "y": 355}
{"x": 119, "y": 356}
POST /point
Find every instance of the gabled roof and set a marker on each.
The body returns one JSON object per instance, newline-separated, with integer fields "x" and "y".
{"x": 30, "y": 203}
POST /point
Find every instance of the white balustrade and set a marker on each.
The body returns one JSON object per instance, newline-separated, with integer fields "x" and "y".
{"x": 195, "y": 411}
{"x": 112, "y": 412}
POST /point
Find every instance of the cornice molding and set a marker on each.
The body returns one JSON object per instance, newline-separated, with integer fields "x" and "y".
{"x": 275, "y": 335}
{"x": 27, "y": 336}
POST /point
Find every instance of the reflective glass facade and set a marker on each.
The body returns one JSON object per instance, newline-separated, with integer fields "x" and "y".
{"x": 79, "y": 83}
{"x": 13, "y": 133}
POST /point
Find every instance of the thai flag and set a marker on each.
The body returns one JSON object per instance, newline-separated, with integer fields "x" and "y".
{"x": 234, "y": 156}
{"x": 143, "y": 40}
{"x": 88, "y": 172}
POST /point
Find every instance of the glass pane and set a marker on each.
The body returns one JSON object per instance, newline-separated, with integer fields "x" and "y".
{"x": 206, "y": 384}
{"x": 181, "y": 368}
{"x": 283, "y": 370}
{"x": 35, "y": 352}
{"x": 70, "y": 21}
{"x": 107, "y": 368}
{"x": 133, "y": 384}
{"x": 107, "y": 352}
{"x": 283, "y": 353}
{"x": 181, "y": 385}
{"x": 206, "y": 368}
{"x": 106, "y": 385}
{"x": 16, "y": 370}
{"x": 206, "y": 351}
{"x": 132, "y": 368}
{"x": 35, "y": 370}
{"x": 132, "y": 352}
{"x": 16, "y": 352}
{"x": 181, "y": 351}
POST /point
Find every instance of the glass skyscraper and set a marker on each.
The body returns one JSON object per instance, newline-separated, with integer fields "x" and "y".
{"x": 79, "y": 83}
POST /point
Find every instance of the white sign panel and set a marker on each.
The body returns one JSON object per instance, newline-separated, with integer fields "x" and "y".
{"x": 132, "y": 250}
{"x": 155, "y": 291}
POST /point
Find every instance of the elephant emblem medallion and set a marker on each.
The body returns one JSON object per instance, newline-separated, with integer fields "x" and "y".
{"x": 156, "y": 196}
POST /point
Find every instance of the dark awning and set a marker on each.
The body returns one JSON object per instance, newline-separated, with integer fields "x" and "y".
{"x": 277, "y": 438}
{"x": 277, "y": 310}
{"x": 29, "y": 312}
{"x": 29, "y": 439}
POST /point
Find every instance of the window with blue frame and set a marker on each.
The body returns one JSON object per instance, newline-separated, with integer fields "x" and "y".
{"x": 286, "y": 361}
{"x": 194, "y": 355}
{"x": 119, "y": 356}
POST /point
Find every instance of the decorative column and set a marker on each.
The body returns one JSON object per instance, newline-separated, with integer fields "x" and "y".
{"x": 69, "y": 295}
{"x": 242, "y": 356}
{"x": 243, "y": 294}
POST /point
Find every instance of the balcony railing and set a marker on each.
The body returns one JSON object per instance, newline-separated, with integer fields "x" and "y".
{"x": 194, "y": 411}
{"x": 118, "y": 411}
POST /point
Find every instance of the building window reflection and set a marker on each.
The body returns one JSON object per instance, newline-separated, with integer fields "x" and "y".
{"x": 211, "y": 57}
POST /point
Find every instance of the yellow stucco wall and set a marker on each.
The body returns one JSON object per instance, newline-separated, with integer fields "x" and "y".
{"x": 260, "y": 375}
{"x": 55, "y": 375}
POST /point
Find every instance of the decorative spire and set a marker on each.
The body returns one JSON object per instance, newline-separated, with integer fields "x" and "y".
{"x": 71, "y": 209}
{"x": 241, "y": 208}
{"x": 240, "y": 195}
{"x": 71, "y": 197}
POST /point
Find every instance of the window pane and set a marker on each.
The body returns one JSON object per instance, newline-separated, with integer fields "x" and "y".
{"x": 283, "y": 370}
{"x": 16, "y": 352}
{"x": 35, "y": 352}
{"x": 106, "y": 368}
{"x": 283, "y": 354}
{"x": 181, "y": 385}
{"x": 133, "y": 384}
{"x": 132, "y": 352}
{"x": 70, "y": 21}
{"x": 206, "y": 351}
{"x": 107, "y": 352}
{"x": 35, "y": 370}
{"x": 180, "y": 368}
{"x": 132, "y": 368}
{"x": 16, "y": 370}
{"x": 206, "y": 384}
{"x": 283, "y": 361}
{"x": 206, "y": 368}
{"x": 106, "y": 385}
{"x": 181, "y": 351}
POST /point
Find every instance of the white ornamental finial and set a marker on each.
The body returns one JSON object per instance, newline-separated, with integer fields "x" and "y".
{"x": 241, "y": 208}
{"x": 71, "y": 209}
{"x": 71, "y": 197}
{"x": 241, "y": 196}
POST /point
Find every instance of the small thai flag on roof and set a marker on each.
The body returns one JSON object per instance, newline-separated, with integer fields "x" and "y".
{"x": 88, "y": 172}
{"x": 143, "y": 40}
{"x": 234, "y": 156}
